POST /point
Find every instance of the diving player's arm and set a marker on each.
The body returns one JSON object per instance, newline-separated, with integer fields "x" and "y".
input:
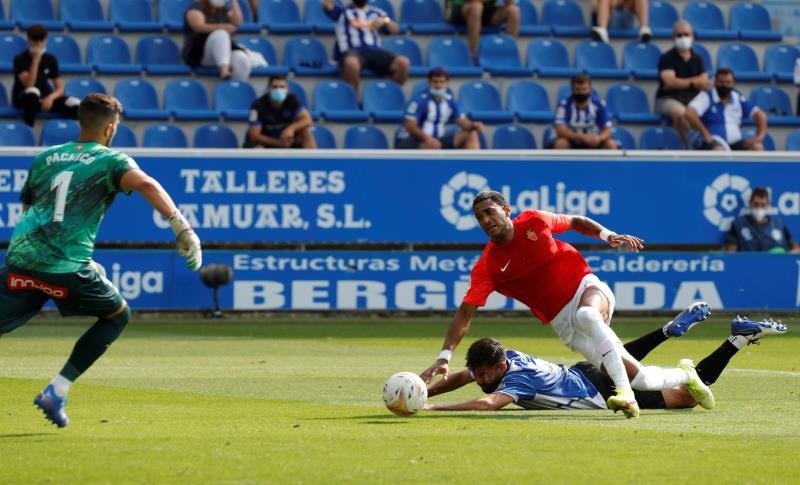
{"x": 458, "y": 328}
{"x": 590, "y": 227}
{"x": 492, "y": 402}
{"x": 453, "y": 382}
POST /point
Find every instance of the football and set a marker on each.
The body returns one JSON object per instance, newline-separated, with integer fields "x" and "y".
{"x": 405, "y": 393}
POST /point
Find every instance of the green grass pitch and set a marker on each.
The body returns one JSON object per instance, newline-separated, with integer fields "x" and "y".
{"x": 298, "y": 400}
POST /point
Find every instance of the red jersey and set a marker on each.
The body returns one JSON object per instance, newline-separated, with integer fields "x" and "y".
{"x": 533, "y": 268}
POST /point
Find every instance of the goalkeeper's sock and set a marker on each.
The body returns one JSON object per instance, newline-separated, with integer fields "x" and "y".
{"x": 710, "y": 368}
{"x": 93, "y": 343}
{"x": 61, "y": 385}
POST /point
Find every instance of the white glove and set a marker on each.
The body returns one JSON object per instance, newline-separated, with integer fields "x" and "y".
{"x": 187, "y": 242}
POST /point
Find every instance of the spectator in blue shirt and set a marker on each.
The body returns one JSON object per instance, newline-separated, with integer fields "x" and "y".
{"x": 358, "y": 42}
{"x": 582, "y": 120}
{"x": 717, "y": 114}
{"x": 427, "y": 115}
{"x": 761, "y": 229}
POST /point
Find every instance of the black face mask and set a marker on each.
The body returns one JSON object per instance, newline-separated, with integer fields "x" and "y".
{"x": 359, "y": 3}
{"x": 724, "y": 91}
{"x": 580, "y": 97}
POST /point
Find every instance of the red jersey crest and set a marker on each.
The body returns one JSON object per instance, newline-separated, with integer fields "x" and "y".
{"x": 531, "y": 235}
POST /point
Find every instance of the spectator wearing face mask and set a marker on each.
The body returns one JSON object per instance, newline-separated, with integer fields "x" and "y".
{"x": 278, "y": 120}
{"x": 582, "y": 120}
{"x": 208, "y": 29}
{"x": 682, "y": 75}
{"x": 760, "y": 230}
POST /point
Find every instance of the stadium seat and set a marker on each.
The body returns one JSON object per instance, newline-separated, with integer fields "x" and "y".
{"x": 623, "y": 137}
{"x": 16, "y": 133}
{"x": 25, "y": 13}
{"x": 139, "y": 100}
{"x": 159, "y": 55}
{"x": 336, "y": 101}
{"x": 186, "y": 99}
{"x": 109, "y": 54}
{"x": 248, "y": 25}
{"x": 314, "y": 15}
{"x": 81, "y": 86}
{"x": 6, "y": 109}
{"x": 260, "y": 44}
{"x": 481, "y": 102}
{"x": 164, "y": 135}
{"x": 660, "y": 138}
{"x": 323, "y": 136}
{"x": 66, "y": 50}
{"x": 366, "y": 137}
{"x": 170, "y": 13}
{"x": 498, "y": 54}
{"x": 10, "y": 46}
{"x": 133, "y": 16}
{"x": 233, "y": 99}
{"x": 779, "y": 61}
{"x": 297, "y": 89}
{"x": 628, "y": 104}
{"x": 281, "y": 17}
{"x": 215, "y": 135}
{"x": 598, "y": 60}
{"x": 701, "y": 50}
{"x": 424, "y": 17}
{"x": 707, "y": 21}
{"x": 407, "y": 46}
{"x": 663, "y": 16}
{"x": 452, "y": 53}
{"x": 57, "y": 132}
{"x": 528, "y": 101}
{"x": 529, "y": 20}
{"x": 641, "y": 59}
{"x": 549, "y": 58}
{"x": 768, "y": 142}
{"x": 793, "y": 140}
{"x": 84, "y": 15}
{"x": 565, "y": 90}
{"x": 752, "y": 22}
{"x": 5, "y": 24}
{"x": 513, "y": 137}
{"x": 125, "y": 137}
{"x": 386, "y": 6}
{"x": 776, "y": 104}
{"x": 743, "y": 60}
{"x": 383, "y": 101}
{"x": 306, "y": 56}
{"x": 565, "y": 18}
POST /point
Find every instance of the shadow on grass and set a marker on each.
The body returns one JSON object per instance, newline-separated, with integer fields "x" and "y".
{"x": 509, "y": 414}
{"x": 24, "y": 435}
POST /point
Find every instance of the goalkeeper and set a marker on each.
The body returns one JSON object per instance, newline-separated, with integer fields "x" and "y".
{"x": 68, "y": 190}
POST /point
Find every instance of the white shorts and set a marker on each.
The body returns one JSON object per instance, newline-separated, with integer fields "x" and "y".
{"x": 564, "y": 323}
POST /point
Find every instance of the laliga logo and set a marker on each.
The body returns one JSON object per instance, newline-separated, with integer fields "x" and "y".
{"x": 724, "y": 199}
{"x": 456, "y": 199}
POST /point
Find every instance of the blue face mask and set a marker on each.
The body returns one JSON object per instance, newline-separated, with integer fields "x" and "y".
{"x": 278, "y": 94}
{"x": 439, "y": 92}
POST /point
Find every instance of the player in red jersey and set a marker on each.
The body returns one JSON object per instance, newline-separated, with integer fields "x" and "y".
{"x": 525, "y": 262}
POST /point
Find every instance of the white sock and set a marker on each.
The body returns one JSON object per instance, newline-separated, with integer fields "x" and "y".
{"x": 61, "y": 385}
{"x": 609, "y": 346}
{"x": 739, "y": 341}
{"x": 652, "y": 378}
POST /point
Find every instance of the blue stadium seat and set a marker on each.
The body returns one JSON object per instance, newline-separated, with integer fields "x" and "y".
{"x": 315, "y": 16}
{"x": 336, "y": 101}
{"x": 793, "y": 140}
{"x": 662, "y": 17}
{"x": 260, "y": 44}
{"x": 297, "y": 89}
{"x": 281, "y": 17}
{"x": 233, "y": 99}
{"x": 84, "y": 15}
{"x": 424, "y": 17}
{"x": 598, "y": 60}
{"x": 628, "y": 104}
{"x": 306, "y": 56}
{"x": 109, "y": 54}
{"x": 383, "y": 101}
{"x": 660, "y": 138}
{"x": 125, "y": 137}
{"x": 10, "y": 46}
{"x": 565, "y": 18}
{"x": 768, "y": 142}
{"x": 81, "y": 86}
{"x": 623, "y": 137}
{"x": 752, "y": 22}
{"x": 16, "y": 133}
{"x": 170, "y": 13}
{"x": 701, "y": 50}
{"x": 407, "y": 46}
{"x": 513, "y": 137}
{"x": 549, "y": 58}
{"x": 66, "y": 50}
{"x": 742, "y": 59}
{"x": 6, "y": 109}
{"x": 139, "y": 100}
{"x": 481, "y": 102}
{"x": 779, "y": 61}
{"x": 452, "y": 53}
{"x": 133, "y": 16}
{"x": 57, "y": 132}
{"x": 323, "y": 136}
{"x": 366, "y": 137}
{"x": 215, "y": 135}
{"x": 707, "y": 22}
{"x": 5, "y": 24}
{"x": 186, "y": 99}
{"x": 248, "y": 25}
{"x": 159, "y": 55}
{"x": 565, "y": 89}
{"x": 529, "y": 20}
{"x": 25, "y": 13}
{"x": 164, "y": 135}
{"x": 498, "y": 54}
{"x": 528, "y": 101}
{"x": 776, "y": 104}
{"x": 641, "y": 59}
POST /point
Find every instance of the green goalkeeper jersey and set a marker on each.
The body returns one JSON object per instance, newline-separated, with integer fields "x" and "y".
{"x": 69, "y": 189}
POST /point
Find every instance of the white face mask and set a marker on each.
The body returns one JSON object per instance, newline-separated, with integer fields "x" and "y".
{"x": 217, "y": 3}
{"x": 759, "y": 214}
{"x": 683, "y": 43}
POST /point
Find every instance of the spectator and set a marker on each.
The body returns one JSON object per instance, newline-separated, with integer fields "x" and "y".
{"x": 427, "y": 115}
{"x": 582, "y": 120}
{"x": 621, "y": 14}
{"x": 208, "y": 29}
{"x": 758, "y": 231}
{"x": 358, "y": 42}
{"x": 717, "y": 115}
{"x": 483, "y": 13}
{"x": 253, "y": 8}
{"x": 681, "y": 76}
{"x": 34, "y": 71}
{"x": 278, "y": 120}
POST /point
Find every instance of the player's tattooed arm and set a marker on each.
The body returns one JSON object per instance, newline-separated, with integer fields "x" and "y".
{"x": 592, "y": 228}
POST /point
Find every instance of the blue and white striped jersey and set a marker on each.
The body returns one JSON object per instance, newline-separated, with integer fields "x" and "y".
{"x": 349, "y": 35}
{"x": 589, "y": 119}
{"x": 432, "y": 116}
{"x": 723, "y": 120}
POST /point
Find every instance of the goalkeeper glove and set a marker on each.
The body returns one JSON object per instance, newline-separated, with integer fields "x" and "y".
{"x": 187, "y": 242}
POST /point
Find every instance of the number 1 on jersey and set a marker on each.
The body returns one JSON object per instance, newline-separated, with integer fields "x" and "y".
{"x": 61, "y": 184}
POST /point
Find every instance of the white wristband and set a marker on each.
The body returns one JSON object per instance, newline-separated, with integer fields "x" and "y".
{"x": 446, "y": 355}
{"x": 605, "y": 234}
{"x": 178, "y": 223}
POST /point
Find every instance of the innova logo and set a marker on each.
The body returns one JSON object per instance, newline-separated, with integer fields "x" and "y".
{"x": 456, "y": 199}
{"x": 725, "y": 199}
